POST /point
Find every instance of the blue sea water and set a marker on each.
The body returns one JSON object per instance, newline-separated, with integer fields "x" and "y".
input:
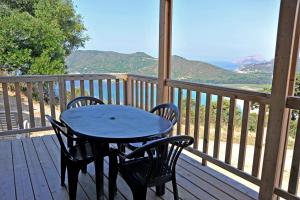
{"x": 113, "y": 92}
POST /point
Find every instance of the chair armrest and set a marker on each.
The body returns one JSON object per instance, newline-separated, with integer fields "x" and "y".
{"x": 138, "y": 151}
{"x": 63, "y": 129}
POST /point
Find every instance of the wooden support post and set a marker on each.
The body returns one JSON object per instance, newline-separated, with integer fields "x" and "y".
{"x": 165, "y": 40}
{"x": 278, "y": 115}
{"x": 291, "y": 89}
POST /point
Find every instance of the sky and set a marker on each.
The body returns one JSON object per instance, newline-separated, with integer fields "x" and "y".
{"x": 208, "y": 30}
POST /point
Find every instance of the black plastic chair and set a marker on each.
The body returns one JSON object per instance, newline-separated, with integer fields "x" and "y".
{"x": 83, "y": 101}
{"x": 167, "y": 111}
{"x": 79, "y": 102}
{"x": 156, "y": 168}
{"x": 74, "y": 158}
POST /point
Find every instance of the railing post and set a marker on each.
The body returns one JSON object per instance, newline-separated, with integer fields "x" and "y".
{"x": 62, "y": 93}
{"x": 165, "y": 40}
{"x": 278, "y": 115}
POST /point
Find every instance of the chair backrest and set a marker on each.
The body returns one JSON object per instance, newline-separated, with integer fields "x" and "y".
{"x": 167, "y": 111}
{"x": 162, "y": 164}
{"x": 83, "y": 101}
{"x": 58, "y": 128}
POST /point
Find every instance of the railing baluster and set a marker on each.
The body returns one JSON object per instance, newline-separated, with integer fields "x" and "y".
{"x": 100, "y": 89}
{"x": 132, "y": 92}
{"x": 117, "y": 91}
{"x": 244, "y": 135}
{"x": 52, "y": 98}
{"x": 91, "y": 84}
{"x": 152, "y": 96}
{"x": 82, "y": 89}
{"x": 218, "y": 127}
{"x": 19, "y": 105}
{"x": 155, "y": 95}
{"x": 259, "y": 140}
{"x": 196, "y": 125}
{"x": 230, "y": 131}
{"x": 109, "y": 97}
{"x": 171, "y": 94}
{"x": 146, "y": 96}
{"x": 142, "y": 95}
{"x": 6, "y": 106}
{"x": 137, "y": 94}
{"x": 41, "y": 102}
{"x": 30, "y": 105}
{"x": 125, "y": 92}
{"x": 206, "y": 126}
{"x": 72, "y": 84}
{"x": 187, "y": 112}
{"x": 294, "y": 175}
{"x": 179, "y": 108}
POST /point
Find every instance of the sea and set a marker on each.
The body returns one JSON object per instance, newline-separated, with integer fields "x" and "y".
{"x": 214, "y": 98}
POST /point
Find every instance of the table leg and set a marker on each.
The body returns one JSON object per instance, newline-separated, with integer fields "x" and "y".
{"x": 99, "y": 152}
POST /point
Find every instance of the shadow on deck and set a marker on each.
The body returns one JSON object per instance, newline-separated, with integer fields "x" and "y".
{"x": 30, "y": 169}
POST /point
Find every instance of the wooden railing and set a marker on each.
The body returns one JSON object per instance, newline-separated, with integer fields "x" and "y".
{"x": 289, "y": 183}
{"x": 214, "y": 138}
{"x": 142, "y": 94}
{"x": 31, "y": 97}
{"x": 142, "y": 91}
{"x": 202, "y": 108}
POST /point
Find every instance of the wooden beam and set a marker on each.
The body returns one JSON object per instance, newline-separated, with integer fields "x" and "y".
{"x": 278, "y": 115}
{"x": 165, "y": 40}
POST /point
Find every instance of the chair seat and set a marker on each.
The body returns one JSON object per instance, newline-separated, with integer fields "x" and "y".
{"x": 136, "y": 171}
{"x": 82, "y": 152}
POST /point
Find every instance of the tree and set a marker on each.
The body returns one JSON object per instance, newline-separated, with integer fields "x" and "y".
{"x": 62, "y": 13}
{"x": 36, "y": 35}
{"x": 30, "y": 46}
{"x": 21, "y": 5}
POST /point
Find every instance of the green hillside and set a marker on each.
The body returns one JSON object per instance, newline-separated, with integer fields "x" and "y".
{"x": 143, "y": 64}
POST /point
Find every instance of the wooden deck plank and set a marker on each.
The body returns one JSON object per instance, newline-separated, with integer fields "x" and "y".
{"x": 223, "y": 178}
{"x": 7, "y": 183}
{"x": 51, "y": 174}
{"x": 207, "y": 187}
{"x": 193, "y": 189}
{"x": 38, "y": 180}
{"x": 227, "y": 189}
{"x": 22, "y": 178}
{"x": 36, "y": 164}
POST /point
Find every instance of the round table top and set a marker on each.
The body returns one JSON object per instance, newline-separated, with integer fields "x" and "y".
{"x": 115, "y": 123}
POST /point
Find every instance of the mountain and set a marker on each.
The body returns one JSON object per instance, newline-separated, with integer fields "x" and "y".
{"x": 260, "y": 67}
{"x": 248, "y": 60}
{"x": 263, "y": 67}
{"x": 89, "y": 61}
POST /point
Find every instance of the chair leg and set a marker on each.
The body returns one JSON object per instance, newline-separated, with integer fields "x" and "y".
{"x": 63, "y": 166}
{"x": 84, "y": 169}
{"x": 175, "y": 190}
{"x": 113, "y": 174}
{"x": 72, "y": 181}
{"x": 139, "y": 192}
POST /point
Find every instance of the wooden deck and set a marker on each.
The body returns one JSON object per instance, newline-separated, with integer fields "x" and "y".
{"x": 30, "y": 169}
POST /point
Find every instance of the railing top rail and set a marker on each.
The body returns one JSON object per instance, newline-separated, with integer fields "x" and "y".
{"x": 143, "y": 78}
{"x": 34, "y": 78}
{"x": 222, "y": 91}
{"x": 293, "y": 102}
